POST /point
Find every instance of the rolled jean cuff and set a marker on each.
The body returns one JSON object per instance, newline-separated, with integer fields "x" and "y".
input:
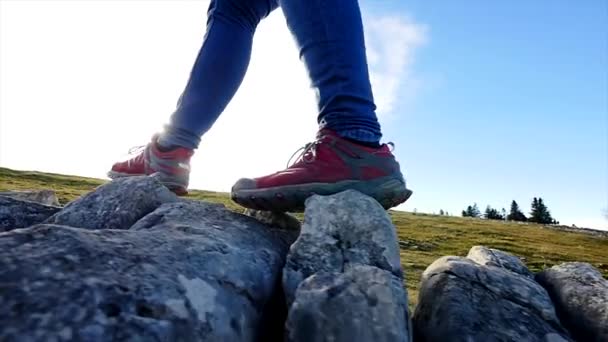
{"x": 360, "y": 135}
{"x": 172, "y": 136}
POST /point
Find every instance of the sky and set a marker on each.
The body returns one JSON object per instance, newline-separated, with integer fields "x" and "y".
{"x": 486, "y": 101}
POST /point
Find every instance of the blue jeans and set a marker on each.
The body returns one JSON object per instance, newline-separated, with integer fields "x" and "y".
{"x": 329, "y": 36}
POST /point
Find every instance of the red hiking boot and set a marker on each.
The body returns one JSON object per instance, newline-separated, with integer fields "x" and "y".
{"x": 172, "y": 166}
{"x": 327, "y": 166}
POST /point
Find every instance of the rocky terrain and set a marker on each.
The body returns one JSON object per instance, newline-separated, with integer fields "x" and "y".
{"x": 132, "y": 262}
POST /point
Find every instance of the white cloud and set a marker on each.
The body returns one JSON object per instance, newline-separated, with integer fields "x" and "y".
{"x": 82, "y": 82}
{"x": 391, "y": 45}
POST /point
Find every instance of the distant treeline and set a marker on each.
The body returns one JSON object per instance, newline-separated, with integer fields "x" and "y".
{"x": 539, "y": 213}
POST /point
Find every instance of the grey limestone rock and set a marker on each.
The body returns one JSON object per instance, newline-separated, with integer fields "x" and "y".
{"x": 131, "y": 261}
{"x": 115, "y": 205}
{"x": 16, "y": 213}
{"x": 580, "y": 294}
{"x": 494, "y": 257}
{"x": 460, "y": 300}
{"x": 364, "y": 303}
{"x": 278, "y": 220}
{"x": 187, "y": 271}
{"x": 343, "y": 277}
{"x": 339, "y": 232}
{"x": 46, "y": 197}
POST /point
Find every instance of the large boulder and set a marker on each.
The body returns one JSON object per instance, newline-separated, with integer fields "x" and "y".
{"x": 115, "y": 205}
{"x": 580, "y": 294}
{"x": 343, "y": 277}
{"x": 364, "y": 303}
{"x": 339, "y": 232}
{"x": 16, "y": 213}
{"x": 187, "y": 271}
{"x": 461, "y": 300}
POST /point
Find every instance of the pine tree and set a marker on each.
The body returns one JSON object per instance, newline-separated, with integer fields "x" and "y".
{"x": 535, "y": 212}
{"x": 492, "y": 214}
{"x": 515, "y": 214}
{"x": 540, "y": 213}
{"x": 441, "y": 212}
{"x": 488, "y": 213}
{"x": 475, "y": 211}
{"x": 547, "y": 218}
{"x": 471, "y": 211}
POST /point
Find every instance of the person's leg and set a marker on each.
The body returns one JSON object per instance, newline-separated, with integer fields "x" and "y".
{"x": 347, "y": 154}
{"x": 218, "y": 70}
{"x": 329, "y": 34}
{"x": 216, "y": 75}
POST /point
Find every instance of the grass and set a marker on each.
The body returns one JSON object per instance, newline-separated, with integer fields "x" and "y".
{"x": 423, "y": 238}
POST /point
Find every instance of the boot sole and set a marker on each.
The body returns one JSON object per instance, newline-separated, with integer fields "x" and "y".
{"x": 388, "y": 191}
{"x": 179, "y": 190}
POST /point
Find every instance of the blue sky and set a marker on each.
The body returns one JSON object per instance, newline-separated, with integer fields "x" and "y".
{"x": 512, "y": 103}
{"x": 487, "y": 101}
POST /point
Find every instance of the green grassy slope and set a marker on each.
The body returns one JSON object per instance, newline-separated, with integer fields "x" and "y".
{"x": 423, "y": 238}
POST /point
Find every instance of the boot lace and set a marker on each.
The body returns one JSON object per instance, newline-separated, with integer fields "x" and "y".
{"x": 136, "y": 149}
{"x": 307, "y": 152}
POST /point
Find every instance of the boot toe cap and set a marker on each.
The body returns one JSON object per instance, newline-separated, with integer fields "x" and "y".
{"x": 244, "y": 184}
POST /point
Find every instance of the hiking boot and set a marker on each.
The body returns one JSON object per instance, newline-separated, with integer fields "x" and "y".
{"x": 173, "y": 167}
{"x": 327, "y": 166}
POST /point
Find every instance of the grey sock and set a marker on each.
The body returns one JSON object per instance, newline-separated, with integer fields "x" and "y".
{"x": 164, "y": 145}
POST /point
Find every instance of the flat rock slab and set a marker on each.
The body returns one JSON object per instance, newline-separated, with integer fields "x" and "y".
{"x": 189, "y": 271}
{"x": 580, "y": 294}
{"x": 346, "y": 241}
{"x": 278, "y": 220}
{"x": 115, "y": 205}
{"x": 46, "y": 197}
{"x": 16, "y": 213}
{"x": 362, "y": 304}
{"x": 461, "y": 300}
